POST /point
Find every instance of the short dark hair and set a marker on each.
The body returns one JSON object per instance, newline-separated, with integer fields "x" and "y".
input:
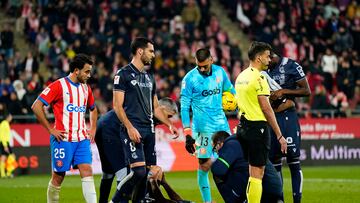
{"x": 202, "y": 54}
{"x": 79, "y": 61}
{"x": 220, "y": 136}
{"x": 168, "y": 103}
{"x": 139, "y": 43}
{"x": 258, "y": 48}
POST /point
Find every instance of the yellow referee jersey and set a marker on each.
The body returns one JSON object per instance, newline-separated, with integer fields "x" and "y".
{"x": 249, "y": 85}
{"x": 4, "y": 133}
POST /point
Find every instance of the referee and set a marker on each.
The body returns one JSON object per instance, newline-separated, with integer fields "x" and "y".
{"x": 252, "y": 92}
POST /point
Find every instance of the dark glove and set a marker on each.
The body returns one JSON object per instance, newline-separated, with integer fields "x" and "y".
{"x": 189, "y": 144}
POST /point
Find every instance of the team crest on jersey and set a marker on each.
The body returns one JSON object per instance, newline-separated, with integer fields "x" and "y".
{"x": 134, "y": 155}
{"x": 116, "y": 79}
{"x": 133, "y": 82}
{"x": 46, "y": 91}
{"x": 59, "y": 163}
{"x": 202, "y": 151}
{"x": 218, "y": 80}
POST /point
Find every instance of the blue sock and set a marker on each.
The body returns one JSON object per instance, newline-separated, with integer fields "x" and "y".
{"x": 296, "y": 181}
{"x": 203, "y": 181}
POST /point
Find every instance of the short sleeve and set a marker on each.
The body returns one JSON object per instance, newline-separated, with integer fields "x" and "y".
{"x": 120, "y": 81}
{"x": 50, "y": 93}
{"x": 261, "y": 86}
{"x": 297, "y": 71}
{"x": 91, "y": 99}
{"x": 154, "y": 86}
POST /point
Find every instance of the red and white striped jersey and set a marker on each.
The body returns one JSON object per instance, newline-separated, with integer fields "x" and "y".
{"x": 69, "y": 101}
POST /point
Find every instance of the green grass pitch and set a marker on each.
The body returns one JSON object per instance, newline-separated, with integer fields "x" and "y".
{"x": 321, "y": 184}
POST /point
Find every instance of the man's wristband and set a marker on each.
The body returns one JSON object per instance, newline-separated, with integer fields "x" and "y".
{"x": 279, "y": 137}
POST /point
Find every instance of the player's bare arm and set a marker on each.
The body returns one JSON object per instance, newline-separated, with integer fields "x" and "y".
{"x": 118, "y": 101}
{"x": 303, "y": 90}
{"x": 38, "y": 109}
{"x": 159, "y": 114}
{"x": 270, "y": 117}
{"x": 93, "y": 121}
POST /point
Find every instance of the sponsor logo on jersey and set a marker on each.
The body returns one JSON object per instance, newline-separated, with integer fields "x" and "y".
{"x": 74, "y": 108}
{"x": 206, "y": 93}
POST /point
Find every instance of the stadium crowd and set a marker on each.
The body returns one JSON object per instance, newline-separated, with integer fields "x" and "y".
{"x": 322, "y": 36}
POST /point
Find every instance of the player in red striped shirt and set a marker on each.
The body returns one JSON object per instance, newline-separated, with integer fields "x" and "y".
{"x": 69, "y": 98}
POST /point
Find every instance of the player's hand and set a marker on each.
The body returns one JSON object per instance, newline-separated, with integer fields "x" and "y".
{"x": 174, "y": 131}
{"x": 283, "y": 144}
{"x": 91, "y": 133}
{"x": 155, "y": 173}
{"x": 6, "y": 149}
{"x": 189, "y": 144}
{"x": 134, "y": 134}
{"x": 277, "y": 94}
{"x": 58, "y": 134}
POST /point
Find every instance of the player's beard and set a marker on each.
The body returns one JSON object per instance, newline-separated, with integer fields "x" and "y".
{"x": 145, "y": 60}
{"x": 81, "y": 80}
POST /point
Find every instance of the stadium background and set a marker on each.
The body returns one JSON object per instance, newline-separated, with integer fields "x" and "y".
{"x": 39, "y": 38}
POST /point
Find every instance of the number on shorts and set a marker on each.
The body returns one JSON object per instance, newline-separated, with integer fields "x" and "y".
{"x": 289, "y": 140}
{"x": 132, "y": 147}
{"x": 204, "y": 141}
{"x": 59, "y": 153}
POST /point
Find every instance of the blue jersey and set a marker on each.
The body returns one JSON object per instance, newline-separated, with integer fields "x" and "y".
{"x": 287, "y": 73}
{"x": 204, "y": 95}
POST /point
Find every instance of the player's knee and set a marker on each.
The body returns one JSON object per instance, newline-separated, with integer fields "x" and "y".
{"x": 139, "y": 173}
{"x": 57, "y": 178}
{"x": 85, "y": 170}
{"x": 294, "y": 163}
{"x": 204, "y": 164}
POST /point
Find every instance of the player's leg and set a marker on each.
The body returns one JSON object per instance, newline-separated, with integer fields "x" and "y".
{"x": 276, "y": 155}
{"x": 134, "y": 152}
{"x": 2, "y": 161}
{"x": 148, "y": 138}
{"x": 232, "y": 189}
{"x": 83, "y": 160}
{"x": 61, "y": 157}
{"x": 293, "y": 139}
{"x": 272, "y": 185}
{"x": 258, "y": 141}
{"x": 108, "y": 175}
{"x": 204, "y": 153}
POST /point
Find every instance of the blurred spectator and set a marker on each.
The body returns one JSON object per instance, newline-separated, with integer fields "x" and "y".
{"x": 7, "y": 41}
{"x": 191, "y": 16}
{"x": 320, "y": 101}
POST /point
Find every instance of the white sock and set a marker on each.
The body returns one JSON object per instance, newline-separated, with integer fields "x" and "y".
{"x": 53, "y": 193}
{"x": 88, "y": 188}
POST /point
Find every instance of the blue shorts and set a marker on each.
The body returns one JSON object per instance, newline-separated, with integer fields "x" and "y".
{"x": 290, "y": 128}
{"x": 140, "y": 152}
{"x": 110, "y": 147}
{"x": 204, "y": 146}
{"x": 67, "y": 154}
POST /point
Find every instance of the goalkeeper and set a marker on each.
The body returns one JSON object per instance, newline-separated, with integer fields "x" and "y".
{"x": 201, "y": 91}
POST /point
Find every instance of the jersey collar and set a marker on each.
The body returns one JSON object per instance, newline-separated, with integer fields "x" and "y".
{"x": 71, "y": 82}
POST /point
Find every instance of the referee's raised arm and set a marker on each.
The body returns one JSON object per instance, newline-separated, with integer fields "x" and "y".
{"x": 255, "y": 112}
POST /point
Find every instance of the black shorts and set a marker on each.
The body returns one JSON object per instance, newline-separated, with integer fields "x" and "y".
{"x": 254, "y": 138}
{"x": 290, "y": 128}
{"x": 2, "y": 149}
{"x": 111, "y": 149}
{"x": 143, "y": 151}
